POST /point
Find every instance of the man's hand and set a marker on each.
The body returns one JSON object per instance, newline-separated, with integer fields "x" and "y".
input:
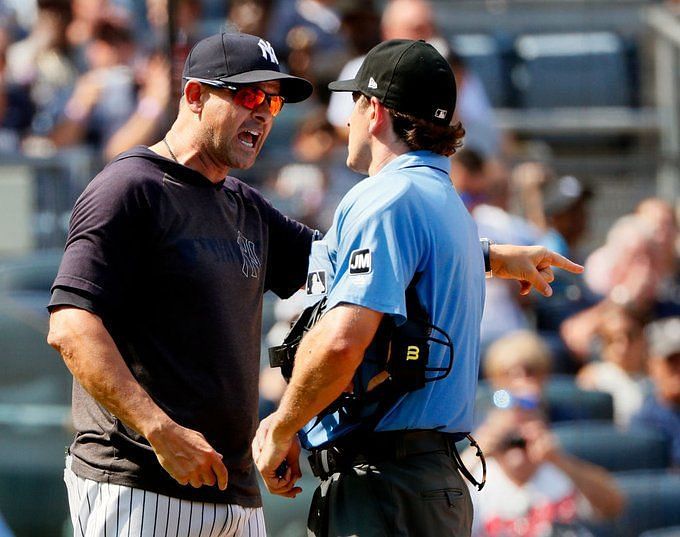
{"x": 270, "y": 452}
{"x": 497, "y": 427}
{"x": 542, "y": 445}
{"x": 187, "y": 456}
{"x": 531, "y": 265}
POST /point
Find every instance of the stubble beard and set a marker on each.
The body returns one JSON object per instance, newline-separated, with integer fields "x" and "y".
{"x": 226, "y": 151}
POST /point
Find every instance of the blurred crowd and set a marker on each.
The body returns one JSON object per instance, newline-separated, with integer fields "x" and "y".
{"x": 104, "y": 74}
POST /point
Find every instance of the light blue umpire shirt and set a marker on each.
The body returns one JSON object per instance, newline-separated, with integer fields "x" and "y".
{"x": 406, "y": 219}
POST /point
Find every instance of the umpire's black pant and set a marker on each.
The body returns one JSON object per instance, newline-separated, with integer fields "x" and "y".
{"x": 415, "y": 490}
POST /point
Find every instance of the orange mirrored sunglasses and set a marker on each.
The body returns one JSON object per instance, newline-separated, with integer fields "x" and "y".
{"x": 252, "y": 97}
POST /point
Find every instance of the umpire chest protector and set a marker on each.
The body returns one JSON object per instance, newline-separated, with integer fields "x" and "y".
{"x": 395, "y": 364}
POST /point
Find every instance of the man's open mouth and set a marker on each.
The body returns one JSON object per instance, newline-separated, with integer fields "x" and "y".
{"x": 249, "y": 138}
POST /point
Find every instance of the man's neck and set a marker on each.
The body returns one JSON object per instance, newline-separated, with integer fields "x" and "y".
{"x": 384, "y": 153}
{"x": 173, "y": 147}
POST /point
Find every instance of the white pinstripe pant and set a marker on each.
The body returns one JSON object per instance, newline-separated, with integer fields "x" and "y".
{"x": 107, "y": 510}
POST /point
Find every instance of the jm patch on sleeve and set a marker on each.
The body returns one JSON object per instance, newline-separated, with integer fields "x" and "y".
{"x": 360, "y": 261}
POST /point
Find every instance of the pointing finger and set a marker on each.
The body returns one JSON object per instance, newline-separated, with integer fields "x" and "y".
{"x": 559, "y": 261}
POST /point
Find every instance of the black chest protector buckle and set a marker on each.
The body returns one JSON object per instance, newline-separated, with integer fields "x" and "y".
{"x": 283, "y": 355}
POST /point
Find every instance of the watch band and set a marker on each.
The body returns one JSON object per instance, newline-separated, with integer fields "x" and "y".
{"x": 486, "y": 250}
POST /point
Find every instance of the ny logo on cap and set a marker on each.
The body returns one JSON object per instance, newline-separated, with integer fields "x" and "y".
{"x": 372, "y": 84}
{"x": 440, "y": 113}
{"x": 267, "y": 50}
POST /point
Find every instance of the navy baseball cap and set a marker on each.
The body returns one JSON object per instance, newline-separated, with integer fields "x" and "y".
{"x": 407, "y": 76}
{"x": 235, "y": 58}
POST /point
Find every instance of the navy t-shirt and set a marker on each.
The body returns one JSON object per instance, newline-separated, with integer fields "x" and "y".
{"x": 176, "y": 267}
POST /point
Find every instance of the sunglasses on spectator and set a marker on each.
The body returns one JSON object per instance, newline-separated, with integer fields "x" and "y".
{"x": 250, "y": 97}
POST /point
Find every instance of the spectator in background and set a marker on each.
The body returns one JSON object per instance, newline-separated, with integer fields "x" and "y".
{"x": 565, "y": 206}
{"x": 86, "y": 17}
{"x": 474, "y": 110}
{"x": 15, "y": 107}
{"x": 250, "y": 16}
{"x": 469, "y": 178}
{"x": 412, "y": 19}
{"x": 340, "y": 105}
{"x": 661, "y": 216}
{"x": 557, "y": 207}
{"x": 103, "y": 98}
{"x": 623, "y": 272}
{"x": 188, "y": 32}
{"x": 360, "y": 24}
{"x": 41, "y": 63}
{"x": 625, "y": 269}
{"x": 486, "y": 199}
{"x": 518, "y": 367}
{"x": 534, "y": 488}
{"x": 360, "y": 28}
{"x": 150, "y": 117}
{"x": 560, "y": 205}
{"x": 310, "y": 188}
{"x": 622, "y": 370}
{"x": 300, "y": 28}
{"x": 300, "y": 188}
{"x": 661, "y": 410}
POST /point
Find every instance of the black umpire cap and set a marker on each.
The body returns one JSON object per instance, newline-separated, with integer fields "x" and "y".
{"x": 407, "y": 76}
{"x": 234, "y": 58}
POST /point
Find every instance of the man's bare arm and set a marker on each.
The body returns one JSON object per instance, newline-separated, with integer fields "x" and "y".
{"x": 325, "y": 363}
{"x": 94, "y": 360}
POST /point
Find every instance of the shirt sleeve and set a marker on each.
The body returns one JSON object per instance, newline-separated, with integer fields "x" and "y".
{"x": 108, "y": 225}
{"x": 290, "y": 243}
{"x": 379, "y": 252}
{"x": 64, "y": 296}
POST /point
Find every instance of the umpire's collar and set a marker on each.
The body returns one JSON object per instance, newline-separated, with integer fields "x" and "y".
{"x": 415, "y": 159}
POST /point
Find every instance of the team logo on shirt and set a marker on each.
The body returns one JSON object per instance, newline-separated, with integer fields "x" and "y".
{"x": 360, "y": 261}
{"x": 251, "y": 263}
{"x": 316, "y": 283}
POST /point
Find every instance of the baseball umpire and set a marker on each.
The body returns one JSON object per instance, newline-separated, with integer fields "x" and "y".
{"x": 403, "y": 277}
{"x": 157, "y": 308}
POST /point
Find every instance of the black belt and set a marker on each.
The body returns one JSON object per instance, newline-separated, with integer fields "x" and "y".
{"x": 392, "y": 445}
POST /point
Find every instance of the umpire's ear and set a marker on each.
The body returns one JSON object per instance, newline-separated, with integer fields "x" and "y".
{"x": 193, "y": 91}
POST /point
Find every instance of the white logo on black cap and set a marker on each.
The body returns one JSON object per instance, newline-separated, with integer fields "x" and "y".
{"x": 268, "y": 50}
{"x": 360, "y": 261}
{"x": 372, "y": 84}
{"x": 440, "y": 113}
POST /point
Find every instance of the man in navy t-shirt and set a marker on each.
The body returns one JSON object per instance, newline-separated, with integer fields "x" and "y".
{"x": 157, "y": 309}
